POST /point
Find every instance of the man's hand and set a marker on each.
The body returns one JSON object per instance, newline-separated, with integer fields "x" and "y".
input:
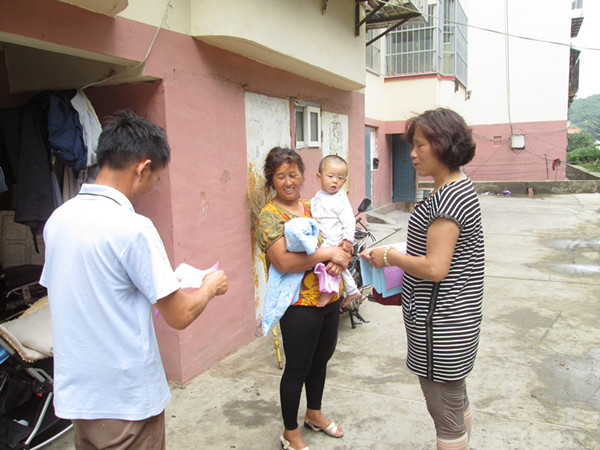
{"x": 216, "y": 282}
{"x": 181, "y": 308}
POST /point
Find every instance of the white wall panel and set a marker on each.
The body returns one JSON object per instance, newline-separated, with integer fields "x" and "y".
{"x": 267, "y": 126}
{"x": 335, "y": 134}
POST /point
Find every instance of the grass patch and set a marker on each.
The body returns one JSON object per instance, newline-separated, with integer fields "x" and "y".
{"x": 595, "y": 167}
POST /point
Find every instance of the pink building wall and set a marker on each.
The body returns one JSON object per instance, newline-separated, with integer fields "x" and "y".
{"x": 495, "y": 160}
{"x": 382, "y": 179}
{"x": 542, "y": 158}
{"x": 199, "y": 205}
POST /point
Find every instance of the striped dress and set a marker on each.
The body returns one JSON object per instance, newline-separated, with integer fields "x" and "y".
{"x": 443, "y": 319}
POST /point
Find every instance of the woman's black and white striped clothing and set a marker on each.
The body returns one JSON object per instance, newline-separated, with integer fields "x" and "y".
{"x": 443, "y": 319}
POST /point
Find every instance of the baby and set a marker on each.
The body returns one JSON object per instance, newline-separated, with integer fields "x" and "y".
{"x": 331, "y": 209}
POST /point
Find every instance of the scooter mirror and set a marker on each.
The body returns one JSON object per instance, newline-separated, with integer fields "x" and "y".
{"x": 364, "y": 205}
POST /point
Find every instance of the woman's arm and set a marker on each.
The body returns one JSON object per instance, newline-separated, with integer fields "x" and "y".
{"x": 442, "y": 236}
{"x": 286, "y": 262}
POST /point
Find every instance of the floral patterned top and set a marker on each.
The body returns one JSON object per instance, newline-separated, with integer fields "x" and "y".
{"x": 269, "y": 228}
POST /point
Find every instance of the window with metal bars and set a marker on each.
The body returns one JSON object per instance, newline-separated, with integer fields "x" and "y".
{"x": 437, "y": 45}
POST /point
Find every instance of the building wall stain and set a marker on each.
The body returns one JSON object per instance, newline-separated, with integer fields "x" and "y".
{"x": 225, "y": 179}
{"x": 203, "y": 209}
{"x": 257, "y": 198}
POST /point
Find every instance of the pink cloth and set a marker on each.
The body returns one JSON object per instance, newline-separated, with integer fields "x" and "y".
{"x": 393, "y": 277}
{"x": 327, "y": 282}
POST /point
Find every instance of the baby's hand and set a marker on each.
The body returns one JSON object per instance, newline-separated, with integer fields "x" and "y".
{"x": 347, "y": 246}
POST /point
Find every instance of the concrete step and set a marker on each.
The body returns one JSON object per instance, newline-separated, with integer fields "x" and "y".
{"x": 374, "y": 217}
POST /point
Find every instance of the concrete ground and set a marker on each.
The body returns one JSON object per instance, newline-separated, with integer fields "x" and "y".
{"x": 536, "y": 382}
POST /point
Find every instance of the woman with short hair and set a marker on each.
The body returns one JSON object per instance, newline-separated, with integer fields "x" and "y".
{"x": 442, "y": 289}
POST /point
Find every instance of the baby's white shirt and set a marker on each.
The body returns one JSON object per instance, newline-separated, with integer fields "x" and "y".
{"x": 335, "y": 217}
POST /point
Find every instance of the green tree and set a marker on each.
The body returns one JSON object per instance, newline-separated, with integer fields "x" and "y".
{"x": 585, "y": 114}
{"x": 582, "y": 149}
{"x": 580, "y": 141}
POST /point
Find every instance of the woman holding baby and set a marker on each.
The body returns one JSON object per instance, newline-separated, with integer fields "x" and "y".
{"x": 309, "y": 333}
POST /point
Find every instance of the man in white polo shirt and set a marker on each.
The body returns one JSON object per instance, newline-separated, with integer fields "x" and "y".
{"x": 105, "y": 267}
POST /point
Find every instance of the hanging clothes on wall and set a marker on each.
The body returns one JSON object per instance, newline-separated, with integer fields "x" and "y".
{"x": 26, "y": 154}
{"x": 54, "y": 126}
{"x": 65, "y": 133}
{"x": 89, "y": 123}
{"x": 74, "y": 130}
{"x": 91, "y": 132}
{"x": 70, "y": 186}
{"x": 3, "y": 185}
{"x": 10, "y": 126}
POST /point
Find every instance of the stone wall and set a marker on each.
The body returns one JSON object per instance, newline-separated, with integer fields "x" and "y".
{"x": 539, "y": 187}
{"x": 581, "y": 173}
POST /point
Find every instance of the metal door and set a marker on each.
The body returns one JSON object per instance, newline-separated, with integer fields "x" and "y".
{"x": 369, "y": 142}
{"x": 403, "y": 174}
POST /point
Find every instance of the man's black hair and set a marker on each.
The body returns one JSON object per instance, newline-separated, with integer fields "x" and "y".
{"x": 128, "y": 138}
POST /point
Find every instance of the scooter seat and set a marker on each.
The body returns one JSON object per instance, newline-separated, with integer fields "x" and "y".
{"x": 29, "y": 335}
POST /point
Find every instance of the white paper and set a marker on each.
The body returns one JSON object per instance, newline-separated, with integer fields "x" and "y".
{"x": 190, "y": 277}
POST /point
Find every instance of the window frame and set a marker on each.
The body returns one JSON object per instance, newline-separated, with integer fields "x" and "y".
{"x": 300, "y": 142}
{"x": 307, "y": 109}
{"x": 373, "y": 52}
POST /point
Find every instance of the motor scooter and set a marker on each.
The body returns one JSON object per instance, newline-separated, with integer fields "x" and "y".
{"x": 361, "y": 238}
{"x": 27, "y": 419}
{"x": 19, "y": 289}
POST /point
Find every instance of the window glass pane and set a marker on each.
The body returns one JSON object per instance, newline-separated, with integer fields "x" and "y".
{"x": 314, "y": 126}
{"x": 373, "y": 51}
{"x": 299, "y": 124}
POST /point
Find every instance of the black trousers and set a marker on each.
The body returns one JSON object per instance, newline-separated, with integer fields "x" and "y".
{"x": 309, "y": 338}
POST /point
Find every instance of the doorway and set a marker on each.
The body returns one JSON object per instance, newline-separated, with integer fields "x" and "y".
{"x": 370, "y": 155}
{"x": 404, "y": 186}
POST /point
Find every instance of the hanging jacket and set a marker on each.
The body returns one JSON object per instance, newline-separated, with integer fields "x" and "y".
{"x": 65, "y": 133}
{"x": 25, "y": 158}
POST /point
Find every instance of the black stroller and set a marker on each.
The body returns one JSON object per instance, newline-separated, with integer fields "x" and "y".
{"x": 27, "y": 419}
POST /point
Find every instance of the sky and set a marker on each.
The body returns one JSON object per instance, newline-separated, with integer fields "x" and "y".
{"x": 589, "y": 63}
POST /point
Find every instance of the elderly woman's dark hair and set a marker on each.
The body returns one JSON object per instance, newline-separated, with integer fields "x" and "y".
{"x": 448, "y": 134}
{"x": 127, "y": 138}
{"x": 275, "y": 158}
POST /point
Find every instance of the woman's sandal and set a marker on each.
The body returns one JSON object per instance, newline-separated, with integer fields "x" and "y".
{"x": 329, "y": 430}
{"x": 285, "y": 444}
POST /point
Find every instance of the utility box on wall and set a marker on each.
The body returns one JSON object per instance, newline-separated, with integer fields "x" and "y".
{"x": 517, "y": 141}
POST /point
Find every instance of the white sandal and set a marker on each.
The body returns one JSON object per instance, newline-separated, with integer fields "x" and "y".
{"x": 329, "y": 430}
{"x": 285, "y": 444}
